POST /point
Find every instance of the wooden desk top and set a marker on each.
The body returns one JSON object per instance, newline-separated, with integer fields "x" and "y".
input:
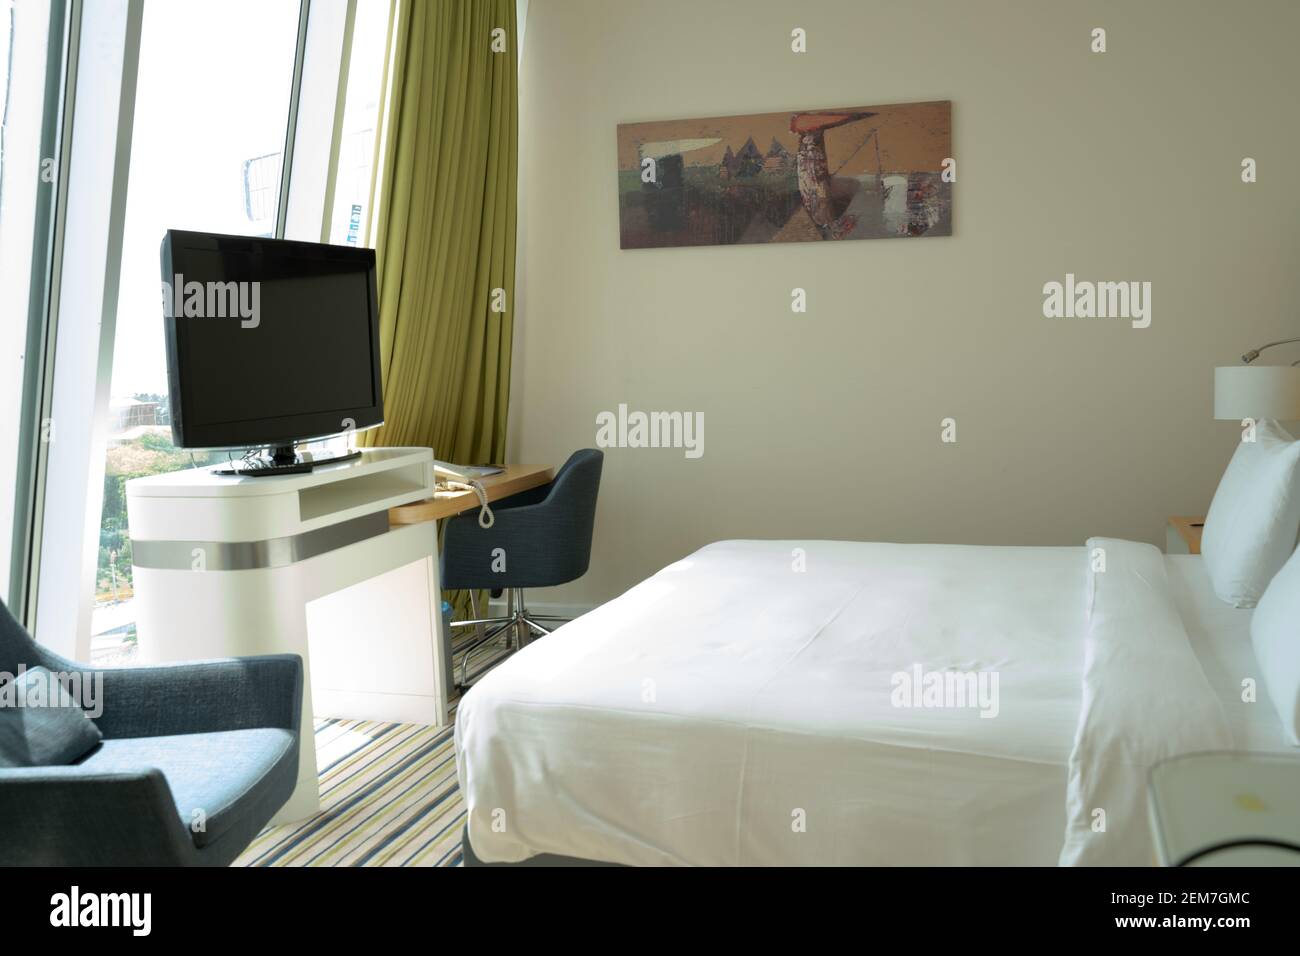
{"x": 445, "y": 504}
{"x": 1189, "y": 527}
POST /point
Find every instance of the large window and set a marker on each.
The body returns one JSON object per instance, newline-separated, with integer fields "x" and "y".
{"x": 30, "y": 87}
{"x": 120, "y": 120}
{"x": 215, "y": 97}
{"x": 211, "y": 114}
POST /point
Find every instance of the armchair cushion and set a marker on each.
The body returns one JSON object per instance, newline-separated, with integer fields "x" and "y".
{"x": 216, "y": 779}
{"x": 40, "y": 723}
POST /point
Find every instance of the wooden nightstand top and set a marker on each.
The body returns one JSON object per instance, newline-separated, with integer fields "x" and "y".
{"x": 1189, "y": 528}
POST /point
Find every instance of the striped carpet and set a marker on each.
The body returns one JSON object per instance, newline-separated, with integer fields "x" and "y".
{"x": 388, "y": 796}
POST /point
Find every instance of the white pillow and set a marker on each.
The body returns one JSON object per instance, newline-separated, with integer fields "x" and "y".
{"x": 1275, "y": 635}
{"x": 1255, "y": 516}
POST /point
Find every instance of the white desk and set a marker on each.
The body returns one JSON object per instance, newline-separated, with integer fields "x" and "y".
{"x": 305, "y": 564}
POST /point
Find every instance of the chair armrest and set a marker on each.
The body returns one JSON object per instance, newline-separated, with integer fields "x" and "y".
{"x": 236, "y": 693}
{"x": 533, "y": 496}
{"x": 66, "y": 816}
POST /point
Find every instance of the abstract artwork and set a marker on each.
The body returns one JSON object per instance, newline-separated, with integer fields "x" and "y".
{"x": 865, "y": 172}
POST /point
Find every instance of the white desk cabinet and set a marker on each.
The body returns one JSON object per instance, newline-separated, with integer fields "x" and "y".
{"x": 304, "y": 564}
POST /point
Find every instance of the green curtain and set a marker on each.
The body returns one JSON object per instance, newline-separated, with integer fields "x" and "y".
{"x": 446, "y": 229}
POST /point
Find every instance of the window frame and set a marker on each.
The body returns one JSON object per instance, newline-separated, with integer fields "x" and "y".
{"x": 60, "y": 72}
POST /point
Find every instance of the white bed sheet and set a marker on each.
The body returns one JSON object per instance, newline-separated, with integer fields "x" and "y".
{"x": 1220, "y": 636}
{"x": 624, "y": 737}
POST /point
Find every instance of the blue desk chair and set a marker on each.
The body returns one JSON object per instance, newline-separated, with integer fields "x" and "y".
{"x": 544, "y": 537}
{"x": 195, "y": 760}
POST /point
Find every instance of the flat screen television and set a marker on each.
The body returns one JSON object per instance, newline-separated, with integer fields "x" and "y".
{"x": 270, "y": 342}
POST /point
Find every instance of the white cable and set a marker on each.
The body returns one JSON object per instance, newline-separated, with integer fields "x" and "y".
{"x": 486, "y": 518}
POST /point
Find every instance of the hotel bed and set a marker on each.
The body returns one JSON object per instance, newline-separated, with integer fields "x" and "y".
{"x": 746, "y": 706}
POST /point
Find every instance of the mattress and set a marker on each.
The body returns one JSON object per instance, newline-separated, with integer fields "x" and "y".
{"x": 747, "y": 706}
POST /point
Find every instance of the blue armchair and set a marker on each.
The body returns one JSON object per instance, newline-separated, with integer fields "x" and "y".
{"x": 195, "y": 760}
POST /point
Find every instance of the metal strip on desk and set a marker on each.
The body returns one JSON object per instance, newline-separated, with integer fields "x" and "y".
{"x": 253, "y": 555}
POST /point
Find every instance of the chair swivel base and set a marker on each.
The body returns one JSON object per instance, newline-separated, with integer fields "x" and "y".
{"x": 518, "y": 622}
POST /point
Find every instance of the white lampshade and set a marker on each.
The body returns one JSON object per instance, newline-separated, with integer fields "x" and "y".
{"x": 1257, "y": 391}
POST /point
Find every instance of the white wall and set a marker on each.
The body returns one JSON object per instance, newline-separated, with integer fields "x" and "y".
{"x": 1123, "y": 165}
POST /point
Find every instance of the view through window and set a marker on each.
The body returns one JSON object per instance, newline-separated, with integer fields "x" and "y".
{"x": 360, "y": 120}
{"x": 206, "y": 150}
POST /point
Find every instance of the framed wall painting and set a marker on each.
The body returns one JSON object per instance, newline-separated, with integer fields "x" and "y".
{"x": 861, "y": 172}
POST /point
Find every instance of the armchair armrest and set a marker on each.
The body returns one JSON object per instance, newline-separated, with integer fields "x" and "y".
{"x": 65, "y": 816}
{"x": 234, "y": 693}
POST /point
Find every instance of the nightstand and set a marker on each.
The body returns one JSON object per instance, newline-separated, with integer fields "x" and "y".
{"x": 1183, "y": 535}
{"x": 1201, "y": 801}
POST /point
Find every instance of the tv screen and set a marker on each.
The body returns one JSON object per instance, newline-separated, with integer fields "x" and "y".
{"x": 268, "y": 341}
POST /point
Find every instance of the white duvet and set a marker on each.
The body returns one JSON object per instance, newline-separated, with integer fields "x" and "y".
{"x": 751, "y": 704}
{"x": 1145, "y": 698}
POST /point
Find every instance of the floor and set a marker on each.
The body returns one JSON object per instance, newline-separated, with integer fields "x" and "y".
{"x": 389, "y": 797}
